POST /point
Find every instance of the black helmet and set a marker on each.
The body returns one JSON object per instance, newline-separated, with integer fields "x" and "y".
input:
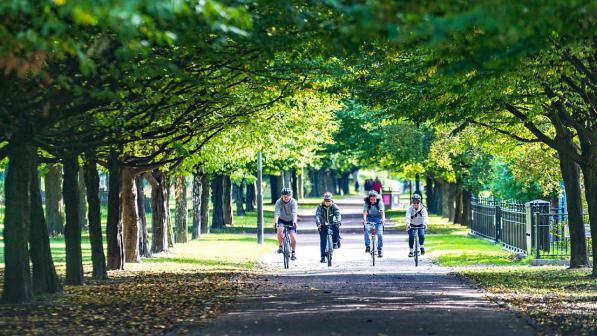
{"x": 417, "y": 197}
{"x": 287, "y": 191}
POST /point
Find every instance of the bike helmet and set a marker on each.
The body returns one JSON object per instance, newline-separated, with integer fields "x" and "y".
{"x": 327, "y": 196}
{"x": 373, "y": 193}
{"x": 417, "y": 197}
{"x": 287, "y": 191}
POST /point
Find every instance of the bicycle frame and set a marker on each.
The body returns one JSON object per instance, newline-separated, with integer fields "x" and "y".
{"x": 329, "y": 248}
{"x": 416, "y": 245}
{"x": 373, "y": 233}
{"x": 286, "y": 246}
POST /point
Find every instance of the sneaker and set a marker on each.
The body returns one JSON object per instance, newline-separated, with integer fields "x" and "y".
{"x": 379, "y": 254}
{"x": 322, "y": 260}
{"x": 422, "y": 250}
{"x": 410, "y": 254}
{"x": 338, "y": 243}
{"x": 280, "y": 249}
{"x": 368, "y": 250}
{"x": 293, "y": 256}
{"x": 335, "y": 246}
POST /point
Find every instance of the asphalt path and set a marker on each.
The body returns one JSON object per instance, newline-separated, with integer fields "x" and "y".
{"x": 354, "y": 298}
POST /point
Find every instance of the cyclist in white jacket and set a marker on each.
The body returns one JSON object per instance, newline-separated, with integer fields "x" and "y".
{"x": 416, "y": 223}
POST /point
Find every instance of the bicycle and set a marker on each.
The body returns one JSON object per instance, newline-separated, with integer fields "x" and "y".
{"x": 373, "y": 233}
{"x": 329, "y": 247}
{"x": 286, "y": 246}
{"x": 416, "y": 245}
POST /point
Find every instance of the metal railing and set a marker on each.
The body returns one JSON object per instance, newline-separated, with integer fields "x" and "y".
{"x": 531, "y": 227}
{"x": 551, "y": 236}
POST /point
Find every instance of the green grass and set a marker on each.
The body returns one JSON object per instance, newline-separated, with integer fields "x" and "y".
{"x": 450, "y": 245}
{"x": 562, "y": 300}
{"x": 221, "y": 252}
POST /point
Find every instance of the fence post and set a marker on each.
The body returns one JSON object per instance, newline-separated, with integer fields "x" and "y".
{"x": 537, "y": 249}
{"x": 498, "y": 224}
{"x": 528, "y": 208}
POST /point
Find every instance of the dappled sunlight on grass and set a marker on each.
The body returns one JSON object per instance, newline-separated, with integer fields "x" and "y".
{"x": 223, "y": 252}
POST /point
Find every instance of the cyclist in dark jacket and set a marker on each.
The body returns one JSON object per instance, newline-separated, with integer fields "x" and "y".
{"x": 328, "y": 213}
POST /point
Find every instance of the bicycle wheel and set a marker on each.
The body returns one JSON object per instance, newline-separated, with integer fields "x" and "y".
{"x": 416, "y": 250}
{"x": 330, "y": 250}
{"x": 373, "y": 250}
{"x": 286, "y": 252}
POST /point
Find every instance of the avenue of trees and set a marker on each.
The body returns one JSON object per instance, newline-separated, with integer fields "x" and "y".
{"x": 154, "y": 92}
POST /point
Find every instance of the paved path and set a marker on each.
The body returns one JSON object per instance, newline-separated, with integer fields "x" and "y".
{"x": 354, "y": 298}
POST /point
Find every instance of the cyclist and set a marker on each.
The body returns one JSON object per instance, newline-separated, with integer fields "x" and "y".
{"x": 373, "y": 212}
{"x": 327, "y": 213}
{"x": 285, "y": 213}
{"x": 416, "y": 217}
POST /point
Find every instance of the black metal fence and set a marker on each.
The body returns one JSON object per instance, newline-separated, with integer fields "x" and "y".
{"x": 531, "y": 227}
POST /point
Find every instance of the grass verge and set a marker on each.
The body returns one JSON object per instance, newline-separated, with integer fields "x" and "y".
{"x": 174, "y": 289}
{"x": 561, "y": 301}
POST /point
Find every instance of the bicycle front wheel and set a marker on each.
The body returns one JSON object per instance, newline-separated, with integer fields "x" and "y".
{"x": 286, "y": 253}
{"x": 373, "y": 249}
{"x": 330, "y": 250}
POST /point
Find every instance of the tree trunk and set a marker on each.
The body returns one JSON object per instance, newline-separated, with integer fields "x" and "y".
{"x": 451, "y": 201}
{"x": 72, "y": 229}
{"x": 17, "y": 223}
{"x": 144, "y": 250}
{"x": 94, "y": 217}
{"x": 217, "y": 188}
{"x": 170, "y": 230}
{"x": 578, "y": 246}
{"x": 159, "y": 241}
{"x": 294, "y": 183}
{"x": 205, "y": 204}
{"x": 466, "y": 207}
{"x": 54, "y": 208}
{"x": 438, "y": 191}
{"x": 45, "y": 279}
{"x": 250, "y": 197}
{"x": 227, "y": 200}
{"x": 275, "y": 182}
{"x": 114, "y": 224}
{"x": 82, "y": 198}
{"x": 345, "y": 183}
{"x": 590, "y": 179}
{"x": 182, "y": 213}
{"x": 458, "y": 203}
{"x": 430, "y": 201}
{"x": 300, "y": 193}
{"x": 314, "y": 179}
{"x": 196, "y": 195}
{"x": 130, "y": 216}
{"x": 239, "y": 192}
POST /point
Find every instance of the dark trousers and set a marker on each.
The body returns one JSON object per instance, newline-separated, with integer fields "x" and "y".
{"x": 323, "y": 237}
{"x": 411, "y": 237}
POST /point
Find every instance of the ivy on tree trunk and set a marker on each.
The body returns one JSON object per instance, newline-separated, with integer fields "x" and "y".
{"x": 196, "y": 200}
{"x": 144, "y": 250}
{"x": 180, "y": 191}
